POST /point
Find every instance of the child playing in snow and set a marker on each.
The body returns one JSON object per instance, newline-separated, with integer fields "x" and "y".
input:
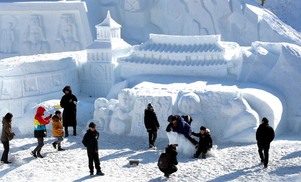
{"x": 40, "y": 132}
{"x": 205, "y": 142}
{"x": 90, "y": 141}
{"x": 57, "y": 130}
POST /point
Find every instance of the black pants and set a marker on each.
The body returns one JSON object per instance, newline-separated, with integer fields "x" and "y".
{"x": 201, "y": 149}
{"x": 4, "y": 157}
{"x": 152, "y": 136}
{"x": 38, "y": 149}
{"x": 93, "y": 157}
{"x": 265, "y": 155}
{"x": 67, "y": 133}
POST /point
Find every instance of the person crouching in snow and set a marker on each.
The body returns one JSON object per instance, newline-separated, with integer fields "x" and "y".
{"x": 40, "y": 130}
{"x": 90, "y": 141}
{"x": 205, "y": 142}
{"x": 168, "y": 160}
{"x": 57, "y": 130}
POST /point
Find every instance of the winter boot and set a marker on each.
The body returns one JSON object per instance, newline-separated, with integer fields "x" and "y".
{"x": 54, "y": 145}
{"x": 33, "y": 154}
{"x": 99, "y": 173}
{"x": 74, "y": 131}
{"x": 40, "y": 156}
{"x": 203, "y": 156}
{"x": 60, "y": 149}
{"x": 195, "y": 156}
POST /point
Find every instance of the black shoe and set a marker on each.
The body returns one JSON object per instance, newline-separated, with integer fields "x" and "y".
{"x": 40, "y": 156}
{"x": 166, "y": 175}
{"x": 265, "y": 166}
{"x": 66, "y": 135}
{"x": 91, "y": 173}
{"x": 195, "y": 156}
{"x": 99, "y": 173}
{"x": 33, "y": 154}
{"x": 203, "y": 156}
{"x": 60, "y": 149}
{"x": 54, "y": 145}
{"x": 7, "y": 162}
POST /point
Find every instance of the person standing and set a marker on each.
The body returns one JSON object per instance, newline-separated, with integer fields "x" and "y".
{"x": 205, "y": 142}
{"x": 69, "y": 103}
{"x": 6, "y": 136}
{"x": 57, "y": 130}
{"x": 40, "y": 131}
{"x": 90, "y": 141}
{"x": 151, "y": 124}
{"x": 264, "y": 135}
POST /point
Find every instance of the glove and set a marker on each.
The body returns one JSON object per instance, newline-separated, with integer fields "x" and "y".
{"x": 74, "y": 102}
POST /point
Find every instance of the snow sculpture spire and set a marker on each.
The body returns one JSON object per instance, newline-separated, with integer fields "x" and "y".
{"x": 98, "y": 73}
{"x": 108, "y": 29}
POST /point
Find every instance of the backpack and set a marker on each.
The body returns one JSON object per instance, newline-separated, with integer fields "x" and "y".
{"x": 163, "y": 161}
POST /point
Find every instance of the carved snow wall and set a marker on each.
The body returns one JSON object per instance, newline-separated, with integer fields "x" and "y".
{"x": 43, "y": 27}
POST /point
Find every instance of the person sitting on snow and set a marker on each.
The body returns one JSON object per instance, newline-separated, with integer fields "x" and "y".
{"x": 205, "y": 142}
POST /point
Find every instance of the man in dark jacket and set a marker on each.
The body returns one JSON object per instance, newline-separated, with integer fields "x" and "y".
{"x": 90, "y": 141}
{"x": 151, "y": 124}
{"x": 264, "y": 136}
{"x": 69, "y": 102}
{"x": 205, "y": 142}
{"x": 177, "y": 124}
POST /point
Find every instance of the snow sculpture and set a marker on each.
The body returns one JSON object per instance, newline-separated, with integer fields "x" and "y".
{"x": 190, "y": 103}
{"x": 101, "y": 113}
{"x": 7, "y": 38}
{"x": 99, "y": 71}
{"x": 67, "y": 38}
{"x": 121, "y": 117}
{"x": 35, "y": 40}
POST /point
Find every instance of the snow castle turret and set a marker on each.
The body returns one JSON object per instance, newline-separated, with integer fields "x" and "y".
{"x": 98, "y": 73}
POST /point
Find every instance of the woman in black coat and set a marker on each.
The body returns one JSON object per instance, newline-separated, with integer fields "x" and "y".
{"x": 69, "y": 102}
{"x": 151, "y": 124}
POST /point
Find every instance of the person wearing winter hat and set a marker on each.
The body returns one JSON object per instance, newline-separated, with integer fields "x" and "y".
{"x": 264, "y": 135}
{"x": 205, "y": 142}
{"x": 57, "y": 130}
{"x": 168, "y": 160}
{"x": 40, "y": 131}
{"x": 90, "y": 141}
{"x": 69, "y": 103}
{"x": 151, "y": 124}
{"x": 6, "y": 136}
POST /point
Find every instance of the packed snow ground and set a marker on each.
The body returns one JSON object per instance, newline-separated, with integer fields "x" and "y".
{"x": 229, "y": 162}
